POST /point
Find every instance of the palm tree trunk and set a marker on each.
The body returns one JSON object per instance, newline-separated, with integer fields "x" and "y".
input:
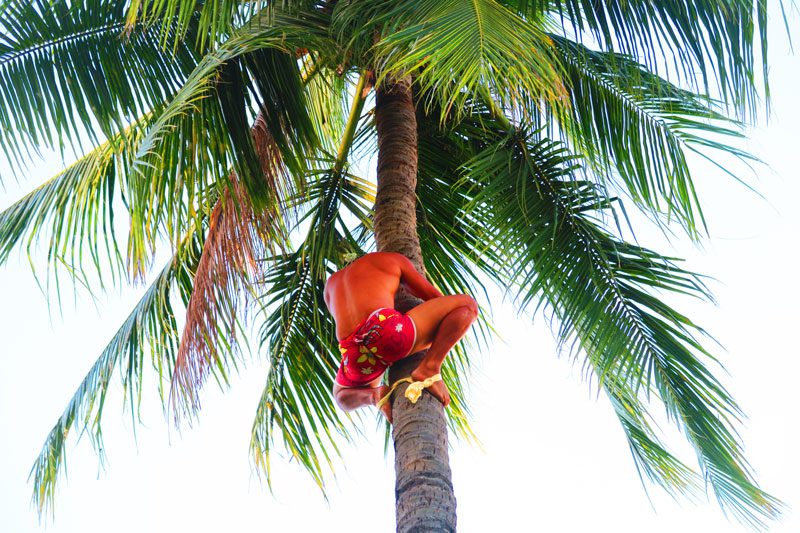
{"x": 423, "y": 488}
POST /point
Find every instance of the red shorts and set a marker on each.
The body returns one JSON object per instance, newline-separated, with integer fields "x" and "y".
{"x": 384, "y": 337}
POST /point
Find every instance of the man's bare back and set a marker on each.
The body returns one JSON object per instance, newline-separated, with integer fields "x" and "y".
{"x": 370, "y": 283}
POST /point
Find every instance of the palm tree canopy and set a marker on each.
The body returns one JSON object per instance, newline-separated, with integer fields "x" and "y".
{"x": 228, "y": 132}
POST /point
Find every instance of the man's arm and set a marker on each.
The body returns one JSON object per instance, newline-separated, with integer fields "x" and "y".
{"x": 416, "y": 282}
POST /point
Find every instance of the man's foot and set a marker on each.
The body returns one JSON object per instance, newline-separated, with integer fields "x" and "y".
{"x": 438, "y": 389}
{"x": 386, "y": 408}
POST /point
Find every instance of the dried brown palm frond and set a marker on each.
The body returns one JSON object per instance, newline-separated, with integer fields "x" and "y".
{"x": 239, "y": 236}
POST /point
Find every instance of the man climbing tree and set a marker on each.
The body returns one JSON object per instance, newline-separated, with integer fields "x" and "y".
{"x": 372, "y": 335}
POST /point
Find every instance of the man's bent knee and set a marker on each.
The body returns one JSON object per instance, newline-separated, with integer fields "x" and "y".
{"x": 469, "y": 303}
{"x": 465, "y": 313}
{"x": 466, "y": 310}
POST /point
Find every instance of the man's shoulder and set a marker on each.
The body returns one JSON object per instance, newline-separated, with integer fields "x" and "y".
{"x": 391, "y": 263}
{"x": 393, "y": 258}
{"x": 332, "y": 279}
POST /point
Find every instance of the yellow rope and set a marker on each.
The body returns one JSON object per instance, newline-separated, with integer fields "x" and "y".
{"x": 414, "y": 391}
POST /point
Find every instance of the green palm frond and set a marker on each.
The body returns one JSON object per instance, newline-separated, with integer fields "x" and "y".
{"x": 713, "y": 44}
{"x": 78, "y": 206}
{"x": 450, "y": 237}
{"x": 650, "y": 455}
{"x": 299, "y": 331}
{"x": 631, "y": 123}
{"x": 187, "y": 149}
{"x": 457, "y": 49}
{"x": 150, "y": 330}
{"x": 66, "y": 70}
{"x": 450, "y": 249}
{"x": 303, "y": 356}
{"x": 171, "y": 177}
{"x": 278, "y": 89}
{"x": 447, "y": 243}
{"x": 75, "y": 210}
{"x": 191, "y": 116}
{"x": 233, "y": 98}
{"x": 214, "y": 18}
{"x": 326, "y": 94}
{"x": 163, "y": 166}
{"x": 608, "y": 297}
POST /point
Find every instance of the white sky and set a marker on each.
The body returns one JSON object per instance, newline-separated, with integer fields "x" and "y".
{"x": 554, "y": 457}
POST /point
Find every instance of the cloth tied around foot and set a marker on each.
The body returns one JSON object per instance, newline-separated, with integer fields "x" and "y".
{"x": 414, "y": 390}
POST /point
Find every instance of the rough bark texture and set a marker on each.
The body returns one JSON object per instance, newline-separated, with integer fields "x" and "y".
{"x": 396, "y": 200}
{"x": 423, "y": 488}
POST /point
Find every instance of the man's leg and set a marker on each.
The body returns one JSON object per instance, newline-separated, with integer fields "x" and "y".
{"x": 440, "y": 323}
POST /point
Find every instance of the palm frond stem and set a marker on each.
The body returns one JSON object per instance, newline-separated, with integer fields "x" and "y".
{"x": 31, "y": 50}
{"x": 361, "y": 91}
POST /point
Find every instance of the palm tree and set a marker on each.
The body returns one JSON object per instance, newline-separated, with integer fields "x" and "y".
{"x": 510, "y": 134}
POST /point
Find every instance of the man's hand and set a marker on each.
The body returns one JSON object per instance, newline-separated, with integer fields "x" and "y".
{"x": 349, "y": 398}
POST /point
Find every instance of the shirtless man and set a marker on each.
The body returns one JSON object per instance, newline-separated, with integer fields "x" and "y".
{"x": 372, "y": 335}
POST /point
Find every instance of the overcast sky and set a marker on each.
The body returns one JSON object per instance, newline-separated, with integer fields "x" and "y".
{"x": 553, "y": 456}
